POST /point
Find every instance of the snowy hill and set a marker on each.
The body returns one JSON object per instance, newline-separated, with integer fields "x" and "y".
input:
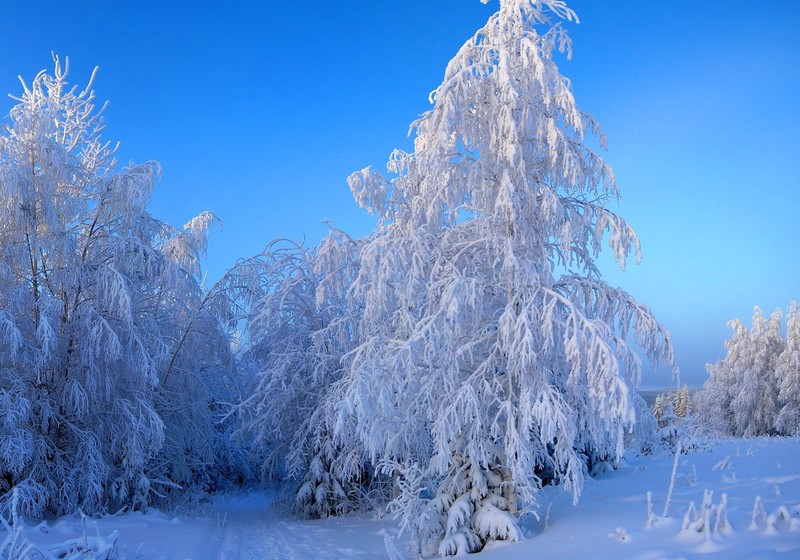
{"x": 737, "y": 478}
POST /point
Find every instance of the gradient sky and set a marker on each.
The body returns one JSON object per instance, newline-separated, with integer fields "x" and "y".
{"x": 258, "y": 111}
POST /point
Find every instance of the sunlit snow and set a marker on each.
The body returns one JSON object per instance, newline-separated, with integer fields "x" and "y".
{"x": 611, "y": 520}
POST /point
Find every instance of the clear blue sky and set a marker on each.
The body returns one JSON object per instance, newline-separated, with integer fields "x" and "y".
{"x": 258, "y": 111}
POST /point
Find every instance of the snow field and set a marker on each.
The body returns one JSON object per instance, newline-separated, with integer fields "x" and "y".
{"x": 610, "y": 521}
{"x": 139, "y": 536}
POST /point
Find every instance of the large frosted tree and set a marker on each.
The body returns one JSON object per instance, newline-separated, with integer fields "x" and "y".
{"x": 109, "y": 353}
{"x": 492, "y": 358}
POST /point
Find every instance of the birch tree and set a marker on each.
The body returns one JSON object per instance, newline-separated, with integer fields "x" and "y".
{"x": 491, "y": 355}
{"x": 723, "y": 383}
{"x": 299, "y": 324}
{"x": 787, "y": 374}
{"x": 754, "y": 405}
{"x": 741, "y": 396}
{"x": 97, "y": 303}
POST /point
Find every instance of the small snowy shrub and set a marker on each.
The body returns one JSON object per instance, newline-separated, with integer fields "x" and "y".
{"x": 473, "y": 508}
{"x": 710, "y": 520}
{"x": 759, "y": 515}
{"x": 16, "y": 546}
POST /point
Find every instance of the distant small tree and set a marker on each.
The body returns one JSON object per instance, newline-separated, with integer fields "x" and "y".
{"x": 741, "y": 395}
{"x": 674, "y": 421}
{"x": 670, "y": 430}
{"x": 787, "y": 374}
{"x": 660, "y": 404}
{"x": 682, "y": 402}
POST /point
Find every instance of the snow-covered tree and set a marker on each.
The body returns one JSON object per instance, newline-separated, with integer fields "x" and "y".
{"x": 299, "y": 324}
{"x": 670, "y": 430}
{"x": 675, "y": 422}
{"x": 682, "y": 402}
{"x": 714, "y": 401}
{"x": 679, "y": 399}
{"x": 787, "y": 374}
{"x": 755, "y": 404}
{"x": 643, "y": 438}
{"x": 660, "y": 405}
{"x": 491, "y": 356}
{"x": 101, "y": 317}
{"x": 741, "y": 395}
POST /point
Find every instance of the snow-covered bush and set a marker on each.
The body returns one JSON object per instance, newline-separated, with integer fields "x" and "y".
{"x": 753, "y": 391}
{"x": 16, "y": 545}
{"x": 108, "y": 355}
{"x": 490, "y": 354}
{"x": 710, "y": 520}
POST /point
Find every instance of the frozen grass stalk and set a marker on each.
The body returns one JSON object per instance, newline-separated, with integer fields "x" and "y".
{"x": 672, "y": 478}
{"x": 759, "y": 514}
{"x": 650, "y": 519}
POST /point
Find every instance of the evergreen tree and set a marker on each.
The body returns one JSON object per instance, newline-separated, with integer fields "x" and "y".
{"x": 670, "y": 429}
{"x": 660, "y": 405}
{"x": 682, "y": 402}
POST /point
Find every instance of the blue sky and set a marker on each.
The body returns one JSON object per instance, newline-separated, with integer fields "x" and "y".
{"x": 259, "y": 111}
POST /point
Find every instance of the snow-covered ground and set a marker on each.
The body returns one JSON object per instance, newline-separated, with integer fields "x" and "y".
{"x": 610, "y": 521}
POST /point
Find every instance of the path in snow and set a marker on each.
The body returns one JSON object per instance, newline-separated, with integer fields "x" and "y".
{"x": 255, "y": 529}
